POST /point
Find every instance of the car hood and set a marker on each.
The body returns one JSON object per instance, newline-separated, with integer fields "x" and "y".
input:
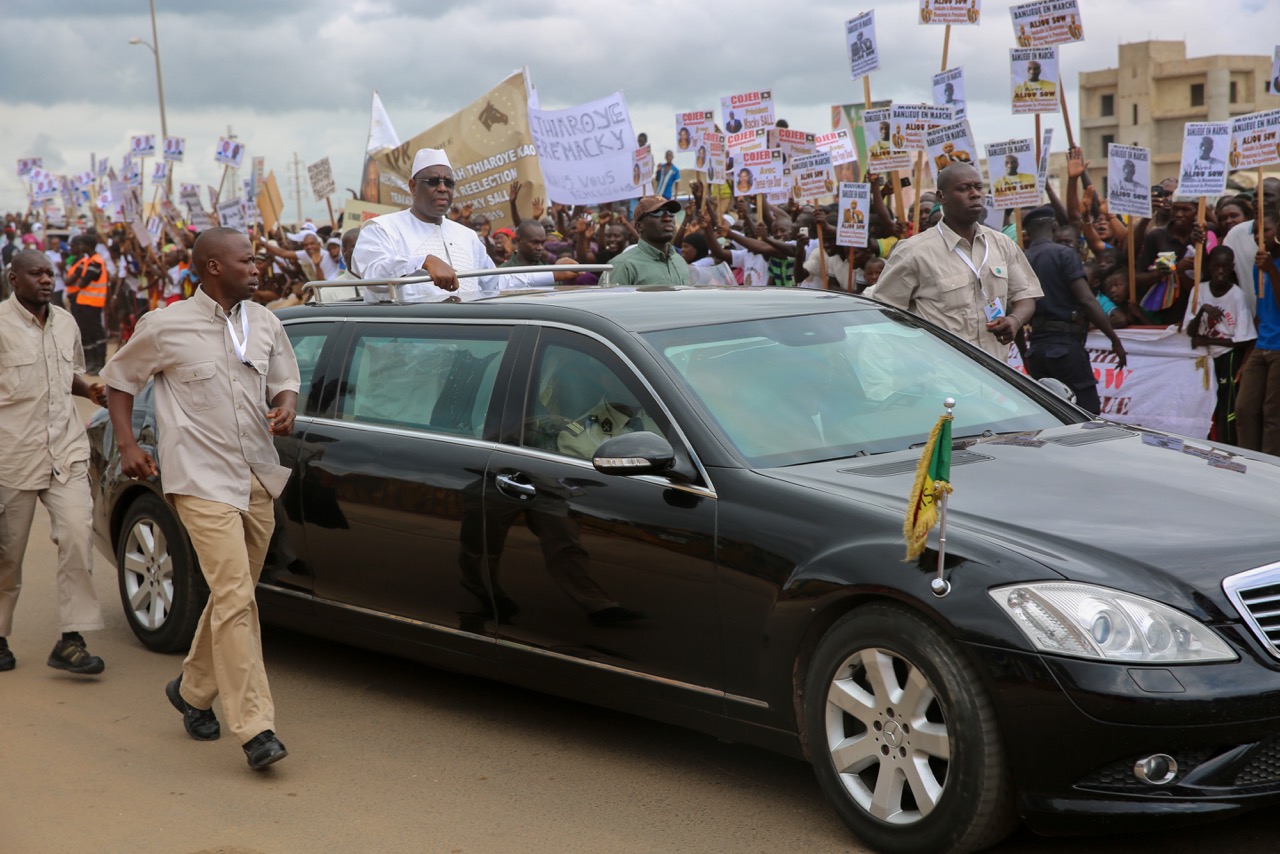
{"x": 1123, "y": 507}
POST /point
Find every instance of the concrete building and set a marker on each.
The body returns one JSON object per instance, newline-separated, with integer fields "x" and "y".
{"x": 1157, "y": 89}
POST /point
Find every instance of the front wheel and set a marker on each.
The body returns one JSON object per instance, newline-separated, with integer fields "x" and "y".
{"x": 159, "y": 589}
{"x": 903, "y": 737}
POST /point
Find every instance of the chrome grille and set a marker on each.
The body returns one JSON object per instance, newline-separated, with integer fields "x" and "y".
{"x": 1256, "y": 595}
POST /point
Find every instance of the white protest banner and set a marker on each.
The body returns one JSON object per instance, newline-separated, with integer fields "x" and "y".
{"x": 1255, "y": 140}
{"x": 690, "y": 127}
{"x": 950, "y": 12}
{"x": 231, "y": 215}
{"x": 912, "y": 121}
{"x": 161, "y": 172}
{"x": 838, "y": 145}
{"x": 26, "y": 164}
{"x": 1047, "y": 22}
{"x": 882, "y": 157}
{"x": 321, "y": 176}
{"x": 585, "y": 151}
{"x": 229, "y": 152}
{"x": 747, "y": 111}
{"x": 759, "y": 172}
{"x": 143, "y": 146}
{"x": 642, "y": 170}
{"x": 1015, "y": 188}
{"x": 175, "y": 148}
{"x": 1129, "y": 180}
{"x": 855, "y": 215}
{"x": 1204, "y": 165}
{"x": 1034, "y": 74}
{"x": 949, "y": 144}
{"x": 747, "y": 140}
{"x": 812, "y": 177}
{"x": 793, "y": 143}
{"x": 1042, "y": 168}
{"x": 860, "y": 36}
{"x": 948, "y": 90}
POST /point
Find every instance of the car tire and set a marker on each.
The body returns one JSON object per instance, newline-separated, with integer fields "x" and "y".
{"x": 903, "y": 737}
{"x": 159, "y": 584}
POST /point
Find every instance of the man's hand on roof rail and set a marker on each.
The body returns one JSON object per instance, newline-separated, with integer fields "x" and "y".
{"x": 442, "y": 275}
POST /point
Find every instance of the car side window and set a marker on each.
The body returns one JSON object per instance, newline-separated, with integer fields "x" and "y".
{"x": 308, "y": 340}
{"x": 581, "y": 394}
{"x": 432, "y": 378}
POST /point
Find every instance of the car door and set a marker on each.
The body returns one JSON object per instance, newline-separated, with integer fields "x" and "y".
{"x": 616, "y": 572}
{"x": 390, "y": 478}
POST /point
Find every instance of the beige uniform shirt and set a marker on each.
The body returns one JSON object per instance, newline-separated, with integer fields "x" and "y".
{"x": 926, "y": 276}
{"x": 41, "y": 433}
{"x": 210, "y": 406}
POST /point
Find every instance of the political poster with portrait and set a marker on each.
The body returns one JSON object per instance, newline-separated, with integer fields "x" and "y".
{"x": 950, "y": 12}
{"x": 1203, "y": 171}
{"x": 1129, "y": 180}
{"x": 793, "y": 143}
{"x": 758, "y": 172}
{"x": 26, "y": 164}
{"x": 103, "y": 167}
{"x": 948, "y": 90}
{"x": 133, "y": 174}
{"x": 689, "y": 129}
{"x": 1047, "y": 22}
{"x": 1033, "y": 72}
{"x": 747, "y": 111}
{"x": 1014, "y": 185}
{"x": 882, "y": 156}
{"x": 642, "y": 168}
{"x": 853, "y": 216}
{"x": 44, "y": 185}
{"x": 83, "y": 179}
{"x": 837, "y": 145}
{"x": 812, "y": 177}
{"x": 160, "y": 173}
{"x": 232, "y": 215}
{"x": 912, "y": 121}
{"x": 143, "y": 145}
{"x": 1042, "y": 168}
{"x": 175, "y": 148}
{"x": 585, "y": 151}
{"x": 860, "y": 36}
{"x": 321, "y": 175}
{"x": 230, "y": 152}
{"x": 1255, "y": 140}
{"x": 710, "y": 156}
{"x": 949, "y": 144}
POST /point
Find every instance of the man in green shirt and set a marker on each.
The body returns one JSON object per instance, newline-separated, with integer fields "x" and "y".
{"x": 652, "y": 261}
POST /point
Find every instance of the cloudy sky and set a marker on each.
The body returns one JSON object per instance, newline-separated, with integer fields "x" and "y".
{"x": 297, "y": 77}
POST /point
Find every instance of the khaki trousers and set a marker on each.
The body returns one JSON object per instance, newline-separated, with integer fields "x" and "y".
{"x": 71, "y": 519}
{"x": 226, "y": 655}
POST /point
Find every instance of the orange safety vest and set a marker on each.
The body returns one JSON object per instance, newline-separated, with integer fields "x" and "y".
{"x": 93, "y": 294}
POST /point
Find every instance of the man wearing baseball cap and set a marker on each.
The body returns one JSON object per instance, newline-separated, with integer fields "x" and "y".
{"x": 423, "y": 240}
{"x": 652, "y": 261}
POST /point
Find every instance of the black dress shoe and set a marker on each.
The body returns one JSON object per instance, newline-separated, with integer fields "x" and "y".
{"x": 263, "y": 749}
{"x": 201, "y": 724}
{"x": 7, "y": 659}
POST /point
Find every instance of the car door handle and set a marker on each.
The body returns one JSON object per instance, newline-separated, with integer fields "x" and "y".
{"x": 508, "y": 485}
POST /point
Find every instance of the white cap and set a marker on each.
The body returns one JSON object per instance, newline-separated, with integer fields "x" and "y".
{"x": 429, "y": 157}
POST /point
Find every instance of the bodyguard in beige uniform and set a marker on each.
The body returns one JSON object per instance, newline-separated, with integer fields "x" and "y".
{"x": 44, "y": 455}
{"x": 217, "y": 359}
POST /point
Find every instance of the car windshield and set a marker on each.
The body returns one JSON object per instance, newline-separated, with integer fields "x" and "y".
{"x": 794, "y": 390}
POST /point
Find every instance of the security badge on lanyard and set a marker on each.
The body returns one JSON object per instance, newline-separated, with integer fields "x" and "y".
{"x": 241, "y": 347}
{"x": 992, "y": 307}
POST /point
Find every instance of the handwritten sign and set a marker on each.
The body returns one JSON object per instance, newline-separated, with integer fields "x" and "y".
{"x": 950, "y": 12}
{"x": 854, "y": 215}
{"x": 1034, "y": 75}
{"x": 1255, "y": 140}
{"x": 321, "y": 176}
{"x": 1129, "y": 180}
{"x": 948, "y": 90}
{"x": 586, "y": 151}
{"x": 1015, "y": 186}
{"x": 882, "y": 157}
{"x": 948, "y": 144}
{"x": 1047, "y": 22}
{"x": 175, "y": 148}
{"x": 747, "y": 111}
{"x": 1204, "y": 159}
{"x": 860, "y": 37}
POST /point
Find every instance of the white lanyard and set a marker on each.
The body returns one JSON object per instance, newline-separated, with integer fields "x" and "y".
{"x": 968, "y": 262}
{"x": 240, "y": 346}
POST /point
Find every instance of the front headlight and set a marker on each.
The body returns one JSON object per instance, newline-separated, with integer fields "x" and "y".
{"x": 1085, "y": 621}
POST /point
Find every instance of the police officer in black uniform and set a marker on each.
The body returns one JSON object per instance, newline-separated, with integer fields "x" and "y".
{"x": 1063, "y": 314}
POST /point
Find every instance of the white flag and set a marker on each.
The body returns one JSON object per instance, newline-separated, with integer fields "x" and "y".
{"x": 381, "y": 133}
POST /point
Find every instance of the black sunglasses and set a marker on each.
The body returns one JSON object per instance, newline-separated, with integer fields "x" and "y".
{"x": 436, "y": 181}
{"x": 659, "y": 213}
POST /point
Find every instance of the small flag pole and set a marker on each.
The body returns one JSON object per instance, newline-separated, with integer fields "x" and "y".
{"x": 940, "y": 586}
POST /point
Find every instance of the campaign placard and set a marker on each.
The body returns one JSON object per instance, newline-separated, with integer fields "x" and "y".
{"x": 1013, "y": 186}
{"x": 854, "y": 215}
{"x": 26, "y": 164}
{"x": 642, "y": 170}
{"x": 1034, "y": 75}
{"x": 948, "y": 144}
{"x": 747, "y": 140}
{"x": 793, "y": 143}
{"x": 950, "y": 12}
{"x": 1047, "y": 22}
{"x": 1203, "y": 171}
{"x": 812, "y": 177}
{"x": 690, "y": 127}
{"x": 1129, "y": 180}
{"x": 747, "y": 111}
{"x": 175, "y": 148}
{"x": 231, "y": 215}
{"x": 133, "y": 175}
{"x": 710, "y": 157}
{"x": 1275, "y": 72}
{"x": 143, "y": 145}
{"x": 912, "y": 121}
{"x": 229, "y": 152}
{"x": 44, "y": 185}
{"x": 860, "y": 36}
{"x": 948, "y": 90}
{"x": 758, "y": 172}
{"x": 585, "y": 151}
{"x": 1255, "y": 140}
{"x": 321, "y": 175}
{"x": 837, "y": 145}
{"x": 882, "y": 157}
{"x": 160, "y": 173}
{"x": 1042, "y": 168}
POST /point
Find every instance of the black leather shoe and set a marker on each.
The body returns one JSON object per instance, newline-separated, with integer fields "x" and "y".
{"x": 73, "y": 657}
{"x": 201, "y": 724}
{"x": 7, "y": 661}
{"x": 263, "y": 749}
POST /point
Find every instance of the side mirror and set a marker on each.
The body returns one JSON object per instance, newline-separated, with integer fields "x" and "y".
{"x": 1059, "y": 388}
{"x": 634, "y": 453}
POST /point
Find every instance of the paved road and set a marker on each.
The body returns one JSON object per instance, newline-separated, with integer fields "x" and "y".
{"x": 390, "y": 756}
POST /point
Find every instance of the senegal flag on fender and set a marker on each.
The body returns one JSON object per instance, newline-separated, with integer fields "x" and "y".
{"x": 933, "y": 476}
